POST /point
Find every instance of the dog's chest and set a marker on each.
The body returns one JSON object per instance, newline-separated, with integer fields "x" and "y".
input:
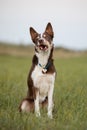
{"x": 42, "y": 81}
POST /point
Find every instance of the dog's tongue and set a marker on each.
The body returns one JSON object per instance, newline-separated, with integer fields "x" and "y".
{"x": 43, "y": 47}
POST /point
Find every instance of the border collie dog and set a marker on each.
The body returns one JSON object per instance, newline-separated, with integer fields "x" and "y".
{"x": 41, "y": 77}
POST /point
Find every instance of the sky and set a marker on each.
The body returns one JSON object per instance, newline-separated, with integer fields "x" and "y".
{"x": 68, "y": 18}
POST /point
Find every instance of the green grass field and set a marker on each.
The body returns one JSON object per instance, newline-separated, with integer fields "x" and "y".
{"x": 70, "y": 95}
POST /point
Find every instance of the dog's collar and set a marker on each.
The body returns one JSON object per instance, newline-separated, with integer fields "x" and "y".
{"x": 45, "y": 68}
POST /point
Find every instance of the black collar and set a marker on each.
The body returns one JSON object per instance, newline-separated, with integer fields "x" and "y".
{"x": 47, "y": 65}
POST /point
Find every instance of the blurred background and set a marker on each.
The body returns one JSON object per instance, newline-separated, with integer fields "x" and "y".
{"x": 68, "y": 18}
{"x": 69, "y": 21}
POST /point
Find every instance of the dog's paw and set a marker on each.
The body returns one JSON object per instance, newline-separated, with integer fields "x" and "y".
{"x": 50, "y": 115}
{"x": 37, "y": 114}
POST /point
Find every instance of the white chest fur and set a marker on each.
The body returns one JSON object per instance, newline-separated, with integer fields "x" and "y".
{"x": 42, "y": 81}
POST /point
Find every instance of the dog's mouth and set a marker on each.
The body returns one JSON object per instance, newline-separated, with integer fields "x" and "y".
{"x": 43, "y": 47}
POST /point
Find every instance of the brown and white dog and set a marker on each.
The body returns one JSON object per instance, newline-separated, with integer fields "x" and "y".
{"x": 41, "y": 77}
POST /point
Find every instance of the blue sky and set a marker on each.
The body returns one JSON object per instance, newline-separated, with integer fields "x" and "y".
{"x": 68, "y": 18}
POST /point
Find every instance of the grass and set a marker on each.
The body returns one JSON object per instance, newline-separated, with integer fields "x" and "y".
{"x": 70, "y": 95}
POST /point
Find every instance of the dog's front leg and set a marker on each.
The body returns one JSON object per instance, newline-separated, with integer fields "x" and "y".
{"x": 37, "y": 111}
{"x": 50, "y": 101}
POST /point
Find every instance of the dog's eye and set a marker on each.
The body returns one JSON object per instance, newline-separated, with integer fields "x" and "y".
{"x": 38, "y": 37}
{"x": 44, "y": 36}
{"x": 47, "y": 37}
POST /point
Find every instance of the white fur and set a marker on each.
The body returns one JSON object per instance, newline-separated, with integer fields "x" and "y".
{"x": 25, "y": 106}
{"x": 37, "y": 111}
{"x": 43, "y": 56}
{"x": 45, "y": 84}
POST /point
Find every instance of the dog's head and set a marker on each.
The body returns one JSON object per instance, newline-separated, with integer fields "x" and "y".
{"x": 43, "y": 43}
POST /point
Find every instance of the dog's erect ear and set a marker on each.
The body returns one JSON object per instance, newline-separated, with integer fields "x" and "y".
{"x": 33, "y": 34}
{"x": 49, "y": 30}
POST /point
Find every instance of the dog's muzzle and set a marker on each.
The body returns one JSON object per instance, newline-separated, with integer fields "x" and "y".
{"x": 42, "y": 46}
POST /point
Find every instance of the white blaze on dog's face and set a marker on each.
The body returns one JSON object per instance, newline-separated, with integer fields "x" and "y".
{"x": 43, "y": 43}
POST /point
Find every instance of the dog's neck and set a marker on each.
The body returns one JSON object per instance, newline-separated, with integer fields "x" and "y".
{"x": 43, "y": 58}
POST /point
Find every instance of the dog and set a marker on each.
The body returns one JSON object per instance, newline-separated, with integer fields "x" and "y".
{"x": 42, "y": 74}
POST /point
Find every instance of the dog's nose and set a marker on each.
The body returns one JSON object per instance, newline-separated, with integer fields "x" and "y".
{"x": 41, "y": 41}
